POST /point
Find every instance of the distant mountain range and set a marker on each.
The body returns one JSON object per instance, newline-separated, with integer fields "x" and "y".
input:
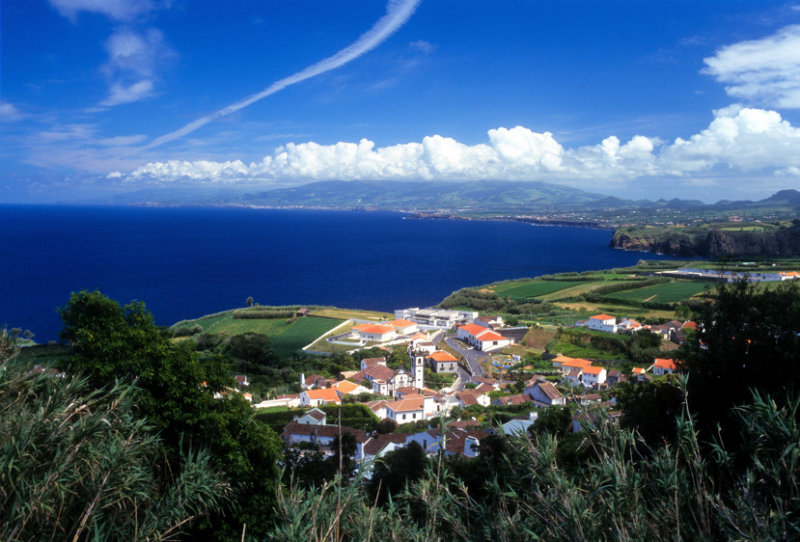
{"x": 462, "y": 198}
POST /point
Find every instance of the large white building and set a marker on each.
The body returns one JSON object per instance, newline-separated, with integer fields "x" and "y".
{"x": 435, "y": 317}
{"x": 602, "y": 322}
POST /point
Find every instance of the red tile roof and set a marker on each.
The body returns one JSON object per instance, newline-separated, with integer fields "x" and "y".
{"x": 550, "y": 391}
{"x": 440, "y": 356}
{"x": 489, "y": 335}
{"x": 406, "y": 405}
{"x": 513, "y": 399}
{"x": 663, "y": 363}
{"x": 374, "y": 329}
{"x": 326, "y": 394}
{"x": 401, "y": 323}
{"x": 601, "y": 316}
{"x": 473, "y": 329}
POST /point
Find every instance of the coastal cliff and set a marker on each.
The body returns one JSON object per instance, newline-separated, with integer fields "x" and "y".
{"x": 713, "y": 240}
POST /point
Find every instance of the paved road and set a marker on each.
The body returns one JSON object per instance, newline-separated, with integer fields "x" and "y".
{"x": 470, "y": 355}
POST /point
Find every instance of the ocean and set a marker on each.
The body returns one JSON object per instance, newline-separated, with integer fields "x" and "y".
{"x": 186, "y": 262}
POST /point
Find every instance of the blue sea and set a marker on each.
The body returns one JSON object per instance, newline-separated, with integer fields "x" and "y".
{"x": 186, "y": 262}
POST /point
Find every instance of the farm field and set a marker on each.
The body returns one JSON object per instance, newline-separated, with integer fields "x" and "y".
{"x": 529, "y": 289}
{"x": 582, "y": 288}
{"x": 344, "y": 314}
{"x": 286, "y": 337}
{"x": 670, "y": 292}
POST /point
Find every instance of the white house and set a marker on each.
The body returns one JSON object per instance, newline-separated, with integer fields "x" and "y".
{"x": 592, "y": 376}
{"x": 314, "y": 416}
{"x": 442, "y": 362}
{"x": 490, "y": 340}
{"x": 473, "y": 397}
{"x": 382, "y": 379}
{"x": 492, "y": 322}
{"x": 663, "y": 366}
{"x": 544, "y": 393}
{"x": 406, "y": 410}
{"x": 378, "y": 408}
{"x": 379, "y": 333}
{"x": 317, "y": 397}
{"x": 629, "y": 326}
{"x": 322, "y": 435}
{"x": 404, "y": 327}
{"x": 470, "y": 330}
{"x": 482, "y": 338}
{"x": 602, "y": 322}
{"x": 435, "y": 317}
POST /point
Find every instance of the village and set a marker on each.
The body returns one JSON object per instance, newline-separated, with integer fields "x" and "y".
{"x": 461, "y": 344}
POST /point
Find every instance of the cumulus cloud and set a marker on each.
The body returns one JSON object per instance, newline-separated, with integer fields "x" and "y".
{"x": 763, "y": 72}
{"x": 133, "y": 58}
{"x": 120, "y": 10}
{"x": 746, "y": 139}
{"x": 743, "y": 140}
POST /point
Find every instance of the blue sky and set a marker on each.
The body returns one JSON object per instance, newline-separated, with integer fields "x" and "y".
{"x": 635, "y": 99}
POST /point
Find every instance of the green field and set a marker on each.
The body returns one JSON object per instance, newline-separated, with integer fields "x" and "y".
{"x": 287, "y": 337}
{"x": 671, "y": 292}
{"x": 530, "y": 289}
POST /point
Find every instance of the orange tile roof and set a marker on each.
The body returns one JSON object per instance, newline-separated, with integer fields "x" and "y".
{"x": 577, "y": 362}
{"x": 406, "y": 405}
{"x": 326, "y": 394}
{"x": 601, "y": 316}
{"x": 638, "y": 371}
{"x": 345, "y": 387}
{"x": 593, "y": 370}
{"x": 441, "y": 356}
{"x": 566, "y": 359}
{"x": 664, "y": 363}
{"x": 401, "y": 323}
{"x": 375, "y": 329}
{"x": 473, "y": 329}
{"x": 489, "y": 335}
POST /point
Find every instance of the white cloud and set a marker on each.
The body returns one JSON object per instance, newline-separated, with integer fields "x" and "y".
{"x": 133, "y": 59}
{"x": 745, "y": 139}
{"x": 762, "y": 72}
{"x": 397, "y": 13}
{"x": 739, "y": 140}
{"x": 120, "y": 10}
{"x": 120, "y": 94}
{"x": 9, "y": 112}
{"x": 422, "y": 46}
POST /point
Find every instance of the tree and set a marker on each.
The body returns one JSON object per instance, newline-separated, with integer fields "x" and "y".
{"x": 652, "y": 407}
{"x": 395, "y": 470}
{"x": 249, "y": 301}
{"x": 554, "y": 420}
{"x": 748, "y": 339}
{"x": 176, "y": 395}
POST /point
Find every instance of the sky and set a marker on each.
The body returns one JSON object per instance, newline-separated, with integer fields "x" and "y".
{"x": 637, "y": 99}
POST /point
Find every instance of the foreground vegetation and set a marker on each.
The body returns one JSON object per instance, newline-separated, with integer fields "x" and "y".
{"x": 130, "y": 443}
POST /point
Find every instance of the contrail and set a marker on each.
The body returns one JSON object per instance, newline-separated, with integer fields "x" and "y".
{"x": 397, "y": 13}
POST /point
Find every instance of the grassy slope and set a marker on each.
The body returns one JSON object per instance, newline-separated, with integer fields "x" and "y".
{"x": 670, "y": 292}
{"x": 287, "y": 337}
